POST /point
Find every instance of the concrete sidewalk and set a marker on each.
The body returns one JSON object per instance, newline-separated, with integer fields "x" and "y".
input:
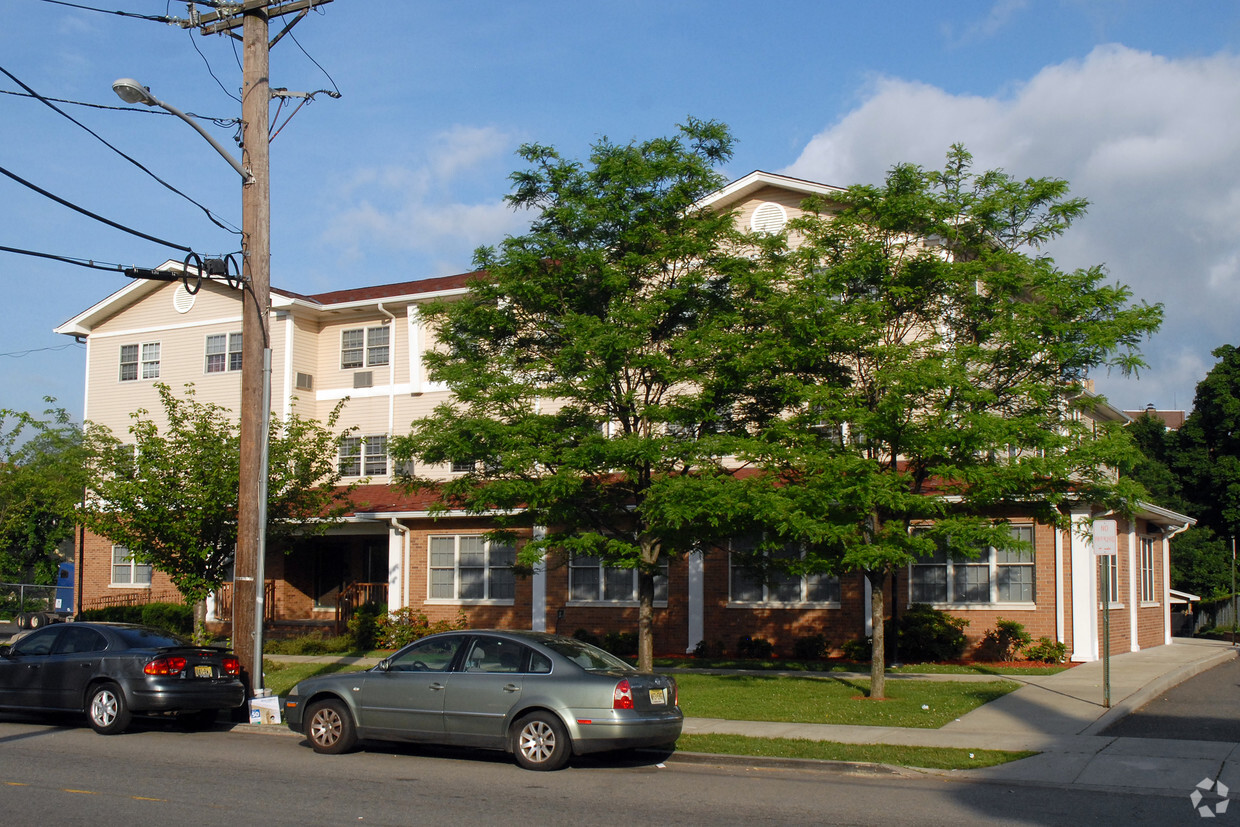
{"x": 1061, "y": 716}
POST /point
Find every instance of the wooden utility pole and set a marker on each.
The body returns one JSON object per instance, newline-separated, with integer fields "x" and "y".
{"x": 248, "y": 587}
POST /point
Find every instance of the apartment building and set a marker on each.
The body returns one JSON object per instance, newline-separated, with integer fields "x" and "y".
{"x": 367, "y": 344}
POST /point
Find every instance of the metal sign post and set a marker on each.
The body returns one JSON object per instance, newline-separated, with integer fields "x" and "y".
{"x": 1106, "y": 544}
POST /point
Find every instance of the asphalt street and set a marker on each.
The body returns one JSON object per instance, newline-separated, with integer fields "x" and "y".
{"x": 1203, "y": 708}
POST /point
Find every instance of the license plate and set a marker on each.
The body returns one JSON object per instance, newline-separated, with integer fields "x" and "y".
{"x": 658, "y": 696}
{"x": 204, "y": 672}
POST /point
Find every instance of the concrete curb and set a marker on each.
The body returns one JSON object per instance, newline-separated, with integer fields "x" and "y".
{"x": 1153, "y": 689}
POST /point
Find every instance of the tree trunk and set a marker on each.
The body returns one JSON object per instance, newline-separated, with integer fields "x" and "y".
{"x": 645, "y": 607}
{"x": 878, "y": 654}
{"x": 200, "y": 621}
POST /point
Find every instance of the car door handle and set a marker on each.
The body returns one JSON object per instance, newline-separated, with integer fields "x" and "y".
{"x": 512, "y": 687}
{"x": 437, "y": 685}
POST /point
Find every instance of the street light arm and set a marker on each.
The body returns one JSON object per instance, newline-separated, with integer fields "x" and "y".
{"x": 131, "y": 91}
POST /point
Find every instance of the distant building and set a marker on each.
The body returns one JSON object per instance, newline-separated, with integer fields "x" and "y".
{"x": 1172, "y": 419}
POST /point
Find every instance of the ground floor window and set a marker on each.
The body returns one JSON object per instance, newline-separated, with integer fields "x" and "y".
{"x": 468, "y": 567}
{"x": 127, "y": 572}
{"x": 993, "y": 576}
{"x": 1110, "y": 564}
{"x": 592, "y": 581}
{"x": 1149, "y": 592}
{"x": 753, "y": 578}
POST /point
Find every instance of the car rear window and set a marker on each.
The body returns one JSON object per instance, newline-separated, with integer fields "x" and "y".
{"x": 585, "y": 655}
{"x": 146, "y": 637}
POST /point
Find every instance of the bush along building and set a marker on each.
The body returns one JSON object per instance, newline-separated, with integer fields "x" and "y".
{"x": 432, "y": 549}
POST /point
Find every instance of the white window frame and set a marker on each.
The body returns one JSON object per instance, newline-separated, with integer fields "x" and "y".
{"x": 445, "y": 555}
{"x": 142, "y": 361}
{"x": 1112, "y": 562}
{"x": 132, "y": 572}
{"x": 990, "y": 561}
{"x": 805, "y": 583}
{"x": 375, "y": 455}
{"x": 609, "y": 585}
{"x": 1149, "y": 587}
{"x": 349, "y": 451}
{"x": 367, "y": 351}
{"x": 226, "y": 349}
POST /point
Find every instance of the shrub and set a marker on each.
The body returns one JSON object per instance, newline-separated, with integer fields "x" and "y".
{"x": 175, "y": 617}
{"x": 1047, "y": 651}
{"x": 588, "y": 637}
{"x": 620, "y": 644}
{"x": 927, "y": 634}
{"x": 811, "y": 647}
{"x": 708, "y": 649}
{"x": 859, "y": 649}
{"x": 1004, "y": 641}
{"x": 405, "y": 625}
{"x": 754, "y": 647}
{"x": 364, "y": 625}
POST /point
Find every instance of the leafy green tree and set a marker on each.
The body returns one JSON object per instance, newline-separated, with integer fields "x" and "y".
{"x": 1207, "y": 446}
{"x": 598, "y": 368}
{"x": 169, "y": 493}
{"x": 942, "y": 359}
{"x": 42, "y": 478}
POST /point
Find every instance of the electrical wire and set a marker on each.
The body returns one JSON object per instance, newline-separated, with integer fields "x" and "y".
{"x": 219, "y": 222}
{"x": 80, "y": 262}
{"x": 223, "y": 123}
{"x": 150, "y": 17}
{"x": 316, "y": 63}
{"x": 194, "y": 42}
{"x": 19, "y": 354}
{"x": 90, "y": 214}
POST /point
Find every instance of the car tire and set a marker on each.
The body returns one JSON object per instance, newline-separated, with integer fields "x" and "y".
{"x": 329, "y": 728}
{"x": 23, "y": 621}
{"x": 540, "y": 742}
{"x": 37, "y": 621}
{"x": 107, "y": 710}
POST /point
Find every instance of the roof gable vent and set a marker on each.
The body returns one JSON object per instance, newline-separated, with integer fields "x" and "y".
{"x": 769, "y": 217}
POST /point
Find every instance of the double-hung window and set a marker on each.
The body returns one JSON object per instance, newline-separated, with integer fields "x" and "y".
{"x": 1149, "y": 591}
{"x": 127, "y": 572}
{"x": 375, "y": 456}
{"x": 765, "y": 582}
{"x": 364, "y": 347}
{"x": 223, "y": 352}
{"x": 349, "y": 460}
{"x": 993, "y": 576}
{"x": 1109, "y": 564}
{"x": 590, "y": 580}
{"x": 140, "y": 361}
{"x": 468, "y": 567}
{"x": 363, "y": 456}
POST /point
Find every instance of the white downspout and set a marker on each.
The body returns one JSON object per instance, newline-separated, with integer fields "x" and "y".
{"x": 391, "y": 371}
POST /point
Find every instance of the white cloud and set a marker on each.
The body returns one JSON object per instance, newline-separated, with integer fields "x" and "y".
{"x": 1152, "y": 142}
{"x": 421, "y": 207}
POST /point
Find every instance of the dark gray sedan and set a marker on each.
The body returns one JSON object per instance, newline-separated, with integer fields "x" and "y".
{"x": 541, "y": 697}
{"x": 111, "y": 671}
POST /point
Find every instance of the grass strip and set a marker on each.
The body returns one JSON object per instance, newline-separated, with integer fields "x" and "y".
{"x": 939, "y": 758}
{"x": 852, "y": 667}
{"x": 280, "y": 676}
{"x": 828, "y": 700}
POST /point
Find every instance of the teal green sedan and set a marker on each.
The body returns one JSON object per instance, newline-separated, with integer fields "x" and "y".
{"x": 541, "y": 697}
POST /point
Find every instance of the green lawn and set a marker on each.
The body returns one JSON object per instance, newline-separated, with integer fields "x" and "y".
{"x": 944, "y": 758}
{"x": 827, "y": 700}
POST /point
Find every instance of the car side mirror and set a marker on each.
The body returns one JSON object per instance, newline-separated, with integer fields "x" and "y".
{"x": 383, "y": 665}
{"x": 4, "y": 650}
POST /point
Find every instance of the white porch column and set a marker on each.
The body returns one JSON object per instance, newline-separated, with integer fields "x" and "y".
{"x": 1165, "y": 591}
{"x": 1084, "y": 590}
{"x": 397, "y": 537}
{"x": 697, "y": 599}
{"x": 1134, "y": 586}
{"x": 538, "y": 586}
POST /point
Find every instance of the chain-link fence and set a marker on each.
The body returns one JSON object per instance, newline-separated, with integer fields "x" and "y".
{"x": 18, "y": 598}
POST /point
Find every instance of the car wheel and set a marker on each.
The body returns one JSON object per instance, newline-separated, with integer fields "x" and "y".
{"x": 329, "y": 728}
{"x": 540, "y": 742}
{"x": 37, "y": 621}
{"x": 107, "y": 710}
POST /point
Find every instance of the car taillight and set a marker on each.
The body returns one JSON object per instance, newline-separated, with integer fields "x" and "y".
{"x": 165, "y": 666}
{"x": 622, "y": 696}
{"x": 232, "y": 666}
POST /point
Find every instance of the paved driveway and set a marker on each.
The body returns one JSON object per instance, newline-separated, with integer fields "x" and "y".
{"x": 1202, "y": 708}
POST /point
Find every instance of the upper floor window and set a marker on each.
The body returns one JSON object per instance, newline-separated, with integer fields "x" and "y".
{"x": 749, "y": 583}
{"x": 140, "y": 361}
{"x": 375, "y": 458}
{"x": 349, "y": 458}
{"x": 223, "y": 352}
{"x": 993, "y": 576}
{"x": 363, "y": 455}
{"x": 469, "y": 567}
{"x": 364, "y": 347}
{"x": 589, "y": 579}
{"x": 126, "y": 572}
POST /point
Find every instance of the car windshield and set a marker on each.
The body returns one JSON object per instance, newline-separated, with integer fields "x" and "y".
{"x": 585, "y": 655}
{"x": 147, "y": 637}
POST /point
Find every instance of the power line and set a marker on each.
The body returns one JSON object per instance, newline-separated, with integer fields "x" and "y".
{"x": 18, "y": 354}
{"x": 90, "y": 214}
{"x": 210, "y": 215}
{"x": 223, "y": 123}
{"x": 153, "y": 18}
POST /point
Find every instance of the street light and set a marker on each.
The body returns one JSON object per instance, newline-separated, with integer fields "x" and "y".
{"x": 130, "y": 91}
{"x": 251, "y": 551}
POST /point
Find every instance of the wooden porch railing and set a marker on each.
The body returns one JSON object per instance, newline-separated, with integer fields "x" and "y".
{"x": 132, "y": 599}
{"x": 224, "y": 601}
{"x": 356, "y": 595}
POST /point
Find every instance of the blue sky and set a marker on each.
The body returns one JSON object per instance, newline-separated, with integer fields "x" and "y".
{"x": 1137, "y": 104}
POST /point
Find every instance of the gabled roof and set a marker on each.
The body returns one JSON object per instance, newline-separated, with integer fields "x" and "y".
{"x": 747, "y": 185}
